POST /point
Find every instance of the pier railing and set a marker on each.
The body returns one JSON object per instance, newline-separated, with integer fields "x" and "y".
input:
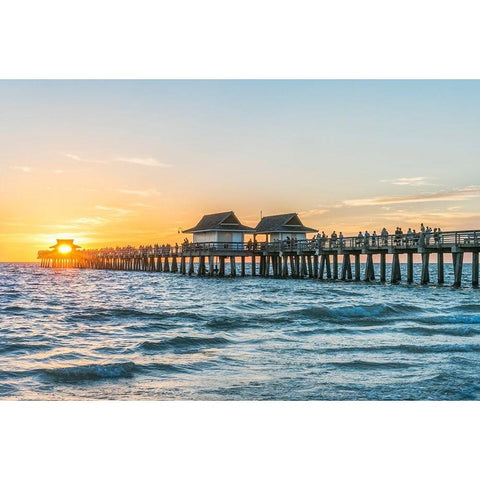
{"x": 413, "y": 241}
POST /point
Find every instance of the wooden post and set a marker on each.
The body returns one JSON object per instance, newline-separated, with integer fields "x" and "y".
{"x": 335, "y": 265}
{"x": 191, "y": 265}
{"x": 183, "y": 269}
{"x": 458, "y": 262}
{"x": 298, "y": 273}
{"x": 315, "y": 266}
{"x": 174, "y": 264}
{"x": 166, "y": 266}
{"x": 309, "y": 265}
{"x": 254, "y": 267}
{"x": 396, "y": 273}
{"x": 369, "y": 269}
{"x": 327, "y": 265}
{"x": 346, "y": 261}
{"x": 221, "y": 270}
{"x": 285, "y": 265}
{"x": 440, "y": 268}
{"x": 233, "y": 268}
{"x": 357, "y": 267}
{"x": 383, "y": 267}
{"x": 410, "y": 267}
{"x": 475, "y": 269}
{"x": 242, "y": 269}
{"x": 322, "y": 267}
{"x": 425, "y": 268}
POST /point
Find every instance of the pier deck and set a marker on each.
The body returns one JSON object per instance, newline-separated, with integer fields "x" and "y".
{"x": 317, "y": 258}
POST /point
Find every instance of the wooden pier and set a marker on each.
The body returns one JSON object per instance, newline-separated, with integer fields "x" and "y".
{"x": 322, "y": 259}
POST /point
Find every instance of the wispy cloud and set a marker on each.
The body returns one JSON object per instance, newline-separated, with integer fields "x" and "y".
{"x": 57, "y": 172}
{"x": 23, "y": 169}
{"x": 146, "y": 162}
{"x": 114, "y": 211}
{"x": 140, "y": 193}
{"x": 91, "y": 221}
{"x": 410, "y": 181}
{"x": 465, "y": 193}
{"x": 77, "y": 158}
{"x": 313, "y": 212}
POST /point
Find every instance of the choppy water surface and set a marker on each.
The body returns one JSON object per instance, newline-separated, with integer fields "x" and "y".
{"x": 84, "y": 334}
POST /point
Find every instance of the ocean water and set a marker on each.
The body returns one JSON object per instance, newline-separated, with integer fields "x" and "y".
{"x": 86, "y": 334}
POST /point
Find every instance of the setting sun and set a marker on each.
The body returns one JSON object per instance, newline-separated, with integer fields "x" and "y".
{"x": 64, "y": 249}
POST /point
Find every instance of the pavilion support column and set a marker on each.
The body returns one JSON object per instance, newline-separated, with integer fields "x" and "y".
{"x": 425, "y": 268}
{"x": 254, "y": 267}
{"x": 191, "y": 265}
{"x": 440, "y": 269}
{"x": 266, "y": 273}
{"x": 233, "y": 268}
{"x": 279, "y": 265}
{"x": 458, "y": 262}
{"x": 284, "y": 259}
{"x": 221, "y": 270}
{"x": 335, "y": 265}
{"x": 183, "y": 267}
{"x": 159, "y": 263}
{"x": 309, "y": 265}
{"x": 201, "y": 266}
{"x": 293, "y": 272}
{"x": 383, "y": 267}
{"x": 410, "y": 267}
{"x": 174, "y": 264}
{"x": 475, "y": 269}
{"x": 303, "y": 271}
{"x": 298, "y": 272}
{"x": 211, "y": 265}
{"x": 242, "y": 267}
{"x": 275, "y": 265}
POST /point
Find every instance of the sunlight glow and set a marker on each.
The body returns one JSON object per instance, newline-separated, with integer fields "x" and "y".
{"x": 64, "y": 249}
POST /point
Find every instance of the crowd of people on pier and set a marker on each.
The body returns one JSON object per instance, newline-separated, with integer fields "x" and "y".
{"x": 425, "y": 236}
{"x": 129, "y": 251}
{"x": 411, "y": 238}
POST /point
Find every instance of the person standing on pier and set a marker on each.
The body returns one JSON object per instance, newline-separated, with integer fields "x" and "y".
{"x": 374, "y": 238}
{"x": 367, "y": 238}
{"x": 409, "y": 237}
{"x": 428, "y": 234}
{"x": 333, "y": 239}
{"x": 359, "y": 239}
{"x": 384, "y": 235}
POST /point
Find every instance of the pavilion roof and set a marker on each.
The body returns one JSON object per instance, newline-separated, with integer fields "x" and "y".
{"x": 286, "y": 223}
{"x": 219, "y": 221}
